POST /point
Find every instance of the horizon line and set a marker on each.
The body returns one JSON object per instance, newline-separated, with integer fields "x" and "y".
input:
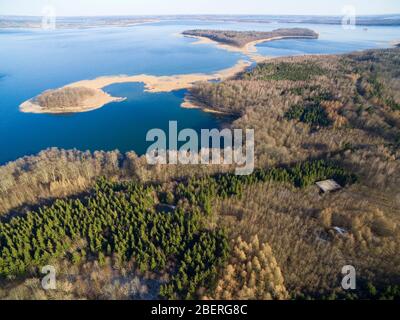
{"x": 203, "y": 14}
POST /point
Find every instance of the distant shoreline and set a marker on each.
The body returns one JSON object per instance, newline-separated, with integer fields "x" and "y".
{"x": 152, "y": 84}
{"x": 15, "y": 21}
{"x": 63, "y": 23}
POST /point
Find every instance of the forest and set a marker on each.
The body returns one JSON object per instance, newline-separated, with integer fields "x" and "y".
{"x": 241, "y": 38}
{"x": 121, "y": 221}
{"x": 64, "y": 97}
{"x": 117, "y": 228}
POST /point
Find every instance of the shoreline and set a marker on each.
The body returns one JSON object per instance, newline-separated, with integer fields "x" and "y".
{"x": 152, "y": 84}
{"x": 98, "y": 101}
{"x": 249, "y": 49}
{"x": 190, "y": 103}
{"x": 68, "y": 26}
{"x": 395, "y": 43}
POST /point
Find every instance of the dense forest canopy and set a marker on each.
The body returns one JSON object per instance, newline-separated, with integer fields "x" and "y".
{"x": 123, "y": 222}
{"x": 64, "y": 97}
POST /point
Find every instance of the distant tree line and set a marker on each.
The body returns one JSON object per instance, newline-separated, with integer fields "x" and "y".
{"x": 241, "y": 38}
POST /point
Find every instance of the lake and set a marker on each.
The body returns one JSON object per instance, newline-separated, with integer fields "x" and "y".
{"x": 32, "y": 61}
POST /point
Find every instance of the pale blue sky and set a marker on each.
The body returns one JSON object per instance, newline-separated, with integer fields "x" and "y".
{"x": 150, "y": 7}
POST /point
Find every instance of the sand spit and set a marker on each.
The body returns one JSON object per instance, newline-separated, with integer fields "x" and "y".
{"x": 190, "y": 103}
{"x": 151, "y": 83}
{"x": 163, "y": 83}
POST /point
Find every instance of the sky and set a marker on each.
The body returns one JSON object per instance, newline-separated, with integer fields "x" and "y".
{"x": 166, "y": 7}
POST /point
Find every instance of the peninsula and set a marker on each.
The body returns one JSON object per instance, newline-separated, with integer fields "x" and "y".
{"x": 88, "y": 95}
{"x": 246, "y": 41}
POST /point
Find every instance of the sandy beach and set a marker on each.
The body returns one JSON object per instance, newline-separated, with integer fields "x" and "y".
{"x": 163, "y": 83}
{"x": 189, "y": 103}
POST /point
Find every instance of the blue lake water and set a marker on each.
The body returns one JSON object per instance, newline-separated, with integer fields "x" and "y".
{"x": 32, "y": 61}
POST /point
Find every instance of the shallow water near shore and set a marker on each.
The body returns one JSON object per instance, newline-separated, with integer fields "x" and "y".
{"x": 32, "y": 61}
